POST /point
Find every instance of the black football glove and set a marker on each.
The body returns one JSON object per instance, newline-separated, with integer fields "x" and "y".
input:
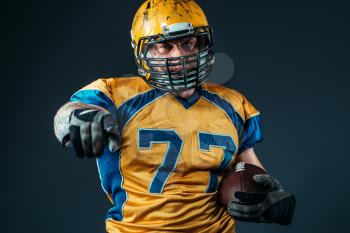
{"x": 274, "y": 206}
{"x": 90, "y": 129}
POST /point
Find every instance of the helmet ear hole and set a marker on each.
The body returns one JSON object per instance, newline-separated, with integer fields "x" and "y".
{"x": 142, "y": 72}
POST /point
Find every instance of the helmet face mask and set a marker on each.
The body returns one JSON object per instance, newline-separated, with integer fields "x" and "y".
{"x": 173, "y": 73}
{"x": 176, "y": 73}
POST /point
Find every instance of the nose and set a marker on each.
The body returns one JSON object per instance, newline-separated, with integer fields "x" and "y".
{"x": 176, "y": 52}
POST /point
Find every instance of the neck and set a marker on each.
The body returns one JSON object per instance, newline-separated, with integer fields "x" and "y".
{"x": 185, "y": 94}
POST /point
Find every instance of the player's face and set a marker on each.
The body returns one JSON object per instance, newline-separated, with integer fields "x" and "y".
{"x": 176, "y": 48}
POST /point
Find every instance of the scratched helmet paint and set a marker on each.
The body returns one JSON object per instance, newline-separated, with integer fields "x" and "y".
{"x": 159, "y": 21}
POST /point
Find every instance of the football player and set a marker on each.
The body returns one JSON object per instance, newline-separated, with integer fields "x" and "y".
{"x": 164, "y": 139}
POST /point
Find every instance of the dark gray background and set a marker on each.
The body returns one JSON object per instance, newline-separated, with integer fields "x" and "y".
{"x": 292, "y": 62}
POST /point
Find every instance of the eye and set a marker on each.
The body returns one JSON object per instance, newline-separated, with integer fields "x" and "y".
{"x": 189, "y": 44}
{"x": 163, "y": 48}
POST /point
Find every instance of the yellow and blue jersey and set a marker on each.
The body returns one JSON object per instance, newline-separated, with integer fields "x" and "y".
{"x": 174, "y": 153}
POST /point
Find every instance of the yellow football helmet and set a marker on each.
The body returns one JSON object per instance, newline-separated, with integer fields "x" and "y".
{"x": 160, "y": 21}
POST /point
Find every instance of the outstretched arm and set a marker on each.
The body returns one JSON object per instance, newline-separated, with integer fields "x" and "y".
{"x": 86, "y": 128}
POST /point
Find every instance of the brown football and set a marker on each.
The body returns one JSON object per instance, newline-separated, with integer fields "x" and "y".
{"x": 239, "y": 178}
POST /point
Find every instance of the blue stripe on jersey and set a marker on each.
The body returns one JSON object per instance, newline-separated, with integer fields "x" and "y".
{"x": 249, "y": 132}
{"x": 108, "y": 165}
{"x": 131, "y": 107}
{"x": 97, "y": 98}
{"x": 111, "y": 180}
{"x": 252, "y": 133}
{"x": 236, "y": 119}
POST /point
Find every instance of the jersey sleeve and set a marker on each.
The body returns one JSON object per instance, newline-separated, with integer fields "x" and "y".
{"x": 250, "y": 133}
{"x": 97, "y": 93}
